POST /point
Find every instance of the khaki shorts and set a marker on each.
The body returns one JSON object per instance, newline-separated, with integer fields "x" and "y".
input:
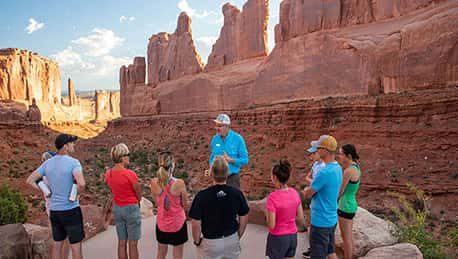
{"x": 221, "y": 248}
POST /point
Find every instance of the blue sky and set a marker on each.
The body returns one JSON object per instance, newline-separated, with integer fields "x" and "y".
{"x": 91, "y": 39}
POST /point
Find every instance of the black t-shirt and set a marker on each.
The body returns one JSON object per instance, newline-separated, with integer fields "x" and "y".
{"x": 217, "y": 207}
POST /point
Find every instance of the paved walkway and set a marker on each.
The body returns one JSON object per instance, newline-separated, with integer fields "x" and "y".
{"x": 253, "y": 243}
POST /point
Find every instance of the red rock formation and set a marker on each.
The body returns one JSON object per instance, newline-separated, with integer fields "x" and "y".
{"x": 72, "y": 99}
{"x": 106, "y": 105}
{"x": 25, "y": 75}
{"x": 298, "y": 17}
{"x": 413, "y": 51}
{"x": 171, "y": 56}
{"x": 243, "y": 36}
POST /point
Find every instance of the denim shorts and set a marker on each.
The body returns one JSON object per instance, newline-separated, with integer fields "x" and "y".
{"x": 281, "y": 246}
{"x": 322, "y": 241}
{"x": 128, "y": 221}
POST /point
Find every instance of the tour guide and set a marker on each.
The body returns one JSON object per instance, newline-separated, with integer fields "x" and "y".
{"x": 231, "y": 145}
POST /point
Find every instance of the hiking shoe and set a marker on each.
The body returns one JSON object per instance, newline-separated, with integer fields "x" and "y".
{"x": 307, "y": 253}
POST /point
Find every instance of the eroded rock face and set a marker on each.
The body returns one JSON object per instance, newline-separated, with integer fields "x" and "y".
{"x": 398, "y": 251}
{"x": 171, "y": 56}
{"x": 299, "y": 17}
{"x": 25, "y": 75}
{"x": 243, "y": 36}
{"x": 106, "y": 105}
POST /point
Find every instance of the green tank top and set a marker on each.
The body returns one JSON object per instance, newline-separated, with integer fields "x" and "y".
{"x": 347, "y": 202}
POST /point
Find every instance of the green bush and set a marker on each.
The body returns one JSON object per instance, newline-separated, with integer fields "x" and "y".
{"x": 13, "y": 207}
{"x": 411, "y": 227}
{"x": 453, "y": 237}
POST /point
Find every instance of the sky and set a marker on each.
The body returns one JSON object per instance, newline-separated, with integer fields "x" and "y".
{"x": 91, "y": 40}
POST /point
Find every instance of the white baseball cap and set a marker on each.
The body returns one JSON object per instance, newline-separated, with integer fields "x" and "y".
{"x": 223, "y": 119}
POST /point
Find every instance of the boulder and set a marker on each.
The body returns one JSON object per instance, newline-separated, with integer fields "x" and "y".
{"x": 146, "y": 208}
{"x": 398, "y": 251}
{"x": 15, "y": 242}
{"x": 41, "y": 241}
{"x": 369, "y": 232}
{"x": 257, "y": 212}
{"x": 93, "y": 219}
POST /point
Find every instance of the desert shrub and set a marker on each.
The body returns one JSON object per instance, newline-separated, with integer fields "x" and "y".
{"x": 411, "y": 226}
{"x": 13, "y": 207}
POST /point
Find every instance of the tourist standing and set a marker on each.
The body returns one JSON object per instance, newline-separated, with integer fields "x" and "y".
{"x": 219, "y": 215}
{"x": 170, "y": 197}
{"x": 231, "y": 146}
{"x": 317, "y": 165}
{"x": 126, "y": 191}
{"x": 324, "y": 191}
{"x": 283, "y": 207}
{"x": 61, "y": 172}
{"x": 348, "y": 159}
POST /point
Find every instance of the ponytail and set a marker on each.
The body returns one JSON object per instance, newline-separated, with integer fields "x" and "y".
{"x": 163, "y": 177}
{"x": 165, "y": 162}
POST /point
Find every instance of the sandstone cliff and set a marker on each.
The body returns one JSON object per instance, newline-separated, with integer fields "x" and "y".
{"x": 25, "y": 76}
{"x": 356, "y": 48}
{"x": 171, "y": 56}
{"x": 243, "y": 36}
{"x": 106, "y": 105}
{"x": 72, "y": 99}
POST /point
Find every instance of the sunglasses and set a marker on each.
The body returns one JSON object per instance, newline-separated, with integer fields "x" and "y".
{"x": 128, "y": 154}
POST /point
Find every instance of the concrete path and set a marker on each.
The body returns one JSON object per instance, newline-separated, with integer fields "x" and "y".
{"x": 253, "y": 243}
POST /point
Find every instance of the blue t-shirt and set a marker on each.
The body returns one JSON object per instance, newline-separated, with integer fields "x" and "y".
{"x": 326, "y": 185}
{"x": 234, "y": 145}
{"x": 59, "y": 173}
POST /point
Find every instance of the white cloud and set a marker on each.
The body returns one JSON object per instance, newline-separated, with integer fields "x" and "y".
{"x": 183, "y": 5}
{"x": 126, "y": 19}
{"x": 91, "y": 55}
{"x": 70, "y": 60}
{"x": 107, "y": 64}
{"x": 99, "y": 43}
{"x": 33, "y": 26}
{"x": 207, "y": 40}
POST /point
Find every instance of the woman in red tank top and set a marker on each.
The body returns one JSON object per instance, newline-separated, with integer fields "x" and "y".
{"x": 170, "y": 196}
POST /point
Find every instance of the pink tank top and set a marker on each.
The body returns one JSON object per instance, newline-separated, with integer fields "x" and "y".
{"x": 170, "y": 215}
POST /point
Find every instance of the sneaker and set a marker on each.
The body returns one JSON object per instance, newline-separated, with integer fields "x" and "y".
{"x": 307, "y": 253}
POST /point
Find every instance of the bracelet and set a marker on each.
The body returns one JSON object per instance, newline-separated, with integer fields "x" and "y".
{"x": 198, "y": 243}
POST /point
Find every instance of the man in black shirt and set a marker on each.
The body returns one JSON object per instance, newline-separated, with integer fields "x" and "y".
{"x": 214, "y": 213}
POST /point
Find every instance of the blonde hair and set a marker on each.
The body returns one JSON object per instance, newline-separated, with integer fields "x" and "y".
{"x": 165, "y": 162}
{"x": 45, "y": 156}
{"x": 219, "y": 169}
{"x": 118, "y": 152}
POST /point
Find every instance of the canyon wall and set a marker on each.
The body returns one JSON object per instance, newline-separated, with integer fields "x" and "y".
{"x": 323, "y": 49}
{"x": 106, "y": 105}
{"x": 25, "y": 76}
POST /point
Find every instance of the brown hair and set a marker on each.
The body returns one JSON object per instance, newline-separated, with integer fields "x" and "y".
{"x": 219, "y": 169}
{"x": 118, "y": 152}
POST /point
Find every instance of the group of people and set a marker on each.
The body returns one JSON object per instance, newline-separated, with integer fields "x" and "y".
{"x": 219, "y": 213}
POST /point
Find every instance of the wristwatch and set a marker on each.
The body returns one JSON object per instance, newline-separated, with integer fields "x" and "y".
{"x": 198, "y": 243}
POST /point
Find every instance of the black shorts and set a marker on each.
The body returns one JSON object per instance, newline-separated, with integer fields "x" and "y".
{"x": 322, "y": 241}
{"x": 67, "y": 223}
{"x": 345, "y": 215}
{"x": 281, "y": 246}
{"x": 172, "y": 238}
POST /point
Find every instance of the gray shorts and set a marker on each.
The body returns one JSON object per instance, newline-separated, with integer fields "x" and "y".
{"x": 281, "y": 246}
{"x": 221, "y": 248}
{"x": 128, "y": 221}
{"x": 234, "y": 180}
{"x": 322, "y": 241}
